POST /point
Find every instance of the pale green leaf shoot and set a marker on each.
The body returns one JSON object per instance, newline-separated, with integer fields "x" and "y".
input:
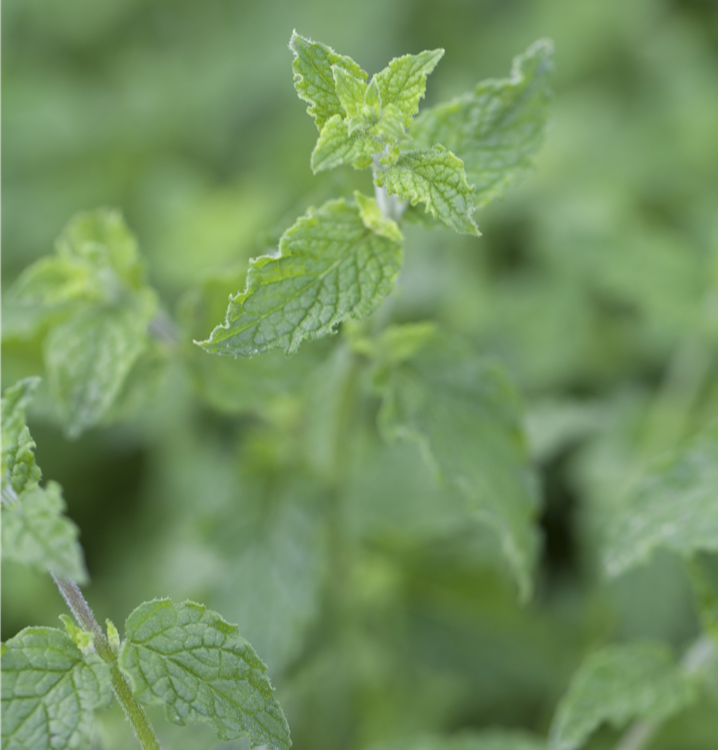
{"x": 336, "y": 145}
{"x": 331, "y": 266}
{"x": 496, "y": 130}
{"x": 191, "y": 661}
{"x": 673, "y": 506}
{"x": 89, "y": 356}
{"x": 403, "y": 81}
{"x": 314, "y": 78}
{"x": 19, "y": 470}
{"x": 465, "y": 415}
{"x": 436, "y": 178}
{"x": 36, "y": 532}
{"x": 50, "y": 691}
{"x": 618, "y": 684}
{"x": 351, "y": 90}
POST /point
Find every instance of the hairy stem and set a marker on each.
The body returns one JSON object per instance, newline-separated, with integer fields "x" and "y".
{"x": 120, "y": 687}
{"x": 640, "y": 733}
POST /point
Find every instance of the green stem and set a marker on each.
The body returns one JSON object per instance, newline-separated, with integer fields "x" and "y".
{"x": 120, "y": 686}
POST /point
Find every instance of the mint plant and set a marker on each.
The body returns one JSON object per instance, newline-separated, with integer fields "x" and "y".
{"x": 348, "y": 455}
{"x": 183, "y": 657}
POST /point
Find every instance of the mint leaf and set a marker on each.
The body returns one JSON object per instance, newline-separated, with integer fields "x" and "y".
{"x": 35, "y": 532}
{"x": 89, "y": 356}
{"x": 337, "y": 146}
{"x": 403, "y": 81}
{"x": 436, "y": 178}
{"x": 19, "y": 470}
{"x": 496, "y": 130}
{"x": 495, "y": 739}
{"x": 314, "y": 78}
{"x": 197, "y": 665}
{"x": 49, "y": 691}
{"x": 464, "y": 414}
{"x": 351, "y": 90}
{"x": 617, "y": 684}
{"x": 331, "y": 266}
{"x": 672, "y": 506}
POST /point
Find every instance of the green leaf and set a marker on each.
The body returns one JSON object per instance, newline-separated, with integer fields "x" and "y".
{"x": 436, "y": 178}
{"x": 672, "y": 506}
{"x": 89, "y": 356}
{"x": 331, "y": 266}
{"x": 617, "y": 684}
{"x": 35, "y": 532}
{"x": 49, "y": 691}
{"x": 403, "y": 81}
{"x": 19, "y": 469}
{"x": 375, "y": 220}
{"x": 336, "y": 146}
{"x": 314, "y": 79}
{"x": 465, "y": 415}
{"x": 496, "y": 739}
{"x": 351, "y": 90}
{"x": 498, "y": 129}
{"x": 197, "y": 665}
{"x": 703, "y": 571}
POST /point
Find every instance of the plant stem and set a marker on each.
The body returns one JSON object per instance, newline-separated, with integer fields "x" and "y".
{"x": 640, "y": 733}
{"x": 120, "y": 687}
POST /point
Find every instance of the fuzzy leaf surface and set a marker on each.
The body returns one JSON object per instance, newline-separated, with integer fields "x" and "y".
{"x": 498, "y": 128}
{"x": 331, "y": 266}
{"x": 36, "y": 532}
{"x": 19, "y": 468}
{"x": 89, "y": 356}
{"x": 351, "y": 90}
{"x": 465, "y": 415}
{"x": 618, "y": 684}
{"x": 314, "y": 79}
{"x": 436, "y": 178}
{"x": 403, "y": 81}
{"x": 50, "y": 691}
{"x": 197, "y": 665}
{"x": 337, "y": 146}
{"x": 673, "y": 506}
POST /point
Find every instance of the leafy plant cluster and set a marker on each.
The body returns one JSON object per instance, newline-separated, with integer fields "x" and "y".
{"x": 354, "y": 457}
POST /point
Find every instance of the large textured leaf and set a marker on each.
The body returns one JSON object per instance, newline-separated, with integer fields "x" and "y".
{"x": 496, "y": 130}
{"x": 332, "y": 265}
{"x": 465, "y": 415}
{"x": 672, "y": 506}
{"x": 19, "y": 470}
{"x": 89, "y": 356}
{"x": 496, "y": 739}
{"x": 197, "y": 665}
{"x": 49, "y": 691}
{"x": 403, "y": 81}
{"x": 617, "y": 684}
{"x": 35, "y": 532}
{"x": 314, "y": 79}
{"x": 436, "y": 178}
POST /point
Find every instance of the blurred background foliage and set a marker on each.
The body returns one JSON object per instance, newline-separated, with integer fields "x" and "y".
{"x": 596, "y": 283}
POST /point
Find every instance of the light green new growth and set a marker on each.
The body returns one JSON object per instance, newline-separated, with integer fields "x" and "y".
{"x": 198, "y": 666}
{"x": 19, "y": 470}
{"x": 436, "y": 178}
{"x": 93, "y": 293}
{"x": 465, "y": 415}
{"x": 335, "y": 263}
{"x": 498, "y": 128}
{"x": 34, "y": 530}
{"x": 50, "y": 691}
{"x": 617, "y": 684}
{"x": 673, "y": 506}
{"x": 496, "y": 739}
{"x": 314, "y": 79}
